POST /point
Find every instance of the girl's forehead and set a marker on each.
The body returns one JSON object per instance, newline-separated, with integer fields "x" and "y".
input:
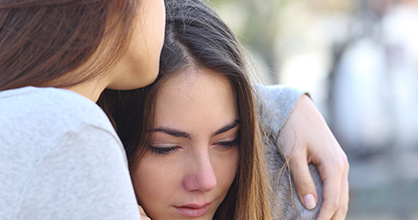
{"x": 195, "y": 101}
{"x": 191, "y": 77}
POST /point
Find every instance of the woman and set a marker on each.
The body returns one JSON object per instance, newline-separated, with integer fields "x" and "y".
{"x": 61, "y": 158}
{"x": 198, "y": 47}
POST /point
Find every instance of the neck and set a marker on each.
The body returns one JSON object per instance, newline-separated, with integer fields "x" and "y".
{"x": 91, "y": 89}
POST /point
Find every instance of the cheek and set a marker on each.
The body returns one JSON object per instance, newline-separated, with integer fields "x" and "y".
{"x": 227, "y": 168}
{"x": 143, "y": 55}
{"x": 155, "y": 184}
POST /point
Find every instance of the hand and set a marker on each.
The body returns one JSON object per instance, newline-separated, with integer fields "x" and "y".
{"x": 143, "y": 215}
{"x": 306, "y": 138}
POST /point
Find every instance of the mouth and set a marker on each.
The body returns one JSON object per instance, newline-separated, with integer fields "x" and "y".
{"x": 193, "y": 210}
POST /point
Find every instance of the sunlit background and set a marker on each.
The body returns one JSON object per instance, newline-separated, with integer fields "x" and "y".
{"x": 359, "y": 61}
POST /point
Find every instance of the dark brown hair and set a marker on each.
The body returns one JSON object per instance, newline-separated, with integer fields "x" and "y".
{"x": 197, "y": 37}
{"x": 43, "y": 40}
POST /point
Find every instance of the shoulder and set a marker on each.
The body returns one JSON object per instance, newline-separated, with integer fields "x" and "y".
{"x": 287, "y": 203}
{"x": 59, "y": 147}
{"x": 84, "y": 175}
{"x": 52, "y": 109}
{"x": 35, "y": 120}
{"x": 275, "y": 104}
{"x": 279, "y": 95}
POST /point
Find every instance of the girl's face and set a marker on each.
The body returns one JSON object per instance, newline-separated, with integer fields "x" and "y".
{"x": 139, "y": 66}
{"x": 193, "y": 158}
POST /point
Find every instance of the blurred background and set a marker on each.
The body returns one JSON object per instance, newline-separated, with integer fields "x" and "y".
{"x": 359, "y": 61}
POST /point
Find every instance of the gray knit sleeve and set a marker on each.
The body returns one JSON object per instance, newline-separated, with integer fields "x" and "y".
{"x": 84, "y": 177}
{"x": 275, "y": 105}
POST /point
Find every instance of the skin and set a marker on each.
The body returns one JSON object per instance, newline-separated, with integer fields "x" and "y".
{"x": 138, "y": 67}
{"x": 315, "y": 143}
{"x": 199, "y": 166}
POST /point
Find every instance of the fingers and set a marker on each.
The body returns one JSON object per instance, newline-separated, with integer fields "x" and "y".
{"x": 305, "y": 186}
{"x": 331, "y": 197}
{"x": 335, "y": 181}
{"x": 344, "y": 199}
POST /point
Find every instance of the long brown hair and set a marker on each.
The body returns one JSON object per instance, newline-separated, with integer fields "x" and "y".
{"x": 197, "y": 37}
{"x": 41, "y": 41}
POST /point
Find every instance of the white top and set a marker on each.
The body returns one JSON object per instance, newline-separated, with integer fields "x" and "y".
{"x": 60, "y": 158}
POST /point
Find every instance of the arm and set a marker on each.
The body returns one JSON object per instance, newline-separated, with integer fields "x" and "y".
{"x": 304, "y": 136}
{"x": 84, "y": 177}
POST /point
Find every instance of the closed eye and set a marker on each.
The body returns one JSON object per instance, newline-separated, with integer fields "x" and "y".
{"x": 163, "y": 150}
{"x": 228, "y": 144}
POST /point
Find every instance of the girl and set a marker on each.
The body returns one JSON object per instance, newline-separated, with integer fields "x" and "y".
{"x": 61, "y": 158}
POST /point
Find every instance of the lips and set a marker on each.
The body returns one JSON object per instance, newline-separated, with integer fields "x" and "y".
{"x": 193, "y": 210}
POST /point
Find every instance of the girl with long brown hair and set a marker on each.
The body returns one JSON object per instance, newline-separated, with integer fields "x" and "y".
{"x": 61, "y": 158}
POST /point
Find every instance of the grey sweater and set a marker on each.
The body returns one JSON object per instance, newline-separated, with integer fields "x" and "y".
{"x": 276, "y": 103}
{"x": 60, "y": 158}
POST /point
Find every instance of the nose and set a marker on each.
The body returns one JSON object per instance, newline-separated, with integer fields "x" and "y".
{"x": 201, "y": 176}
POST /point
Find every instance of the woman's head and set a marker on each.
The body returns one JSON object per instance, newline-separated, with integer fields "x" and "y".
{"x": 199, "y": 53}
{"x": 193, "y": 156}
{"x": 62, "y": 43}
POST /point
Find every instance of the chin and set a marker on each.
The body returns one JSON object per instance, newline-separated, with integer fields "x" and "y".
{"x": 131, "y": 83}
{"x": 146, "y": 79}
{"x": 150, "y": 79}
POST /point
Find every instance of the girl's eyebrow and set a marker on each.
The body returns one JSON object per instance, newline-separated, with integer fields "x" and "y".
{"x": 178, "y": 133}
{"x": 227, "y": 127}
{"x": 172, "y": 132}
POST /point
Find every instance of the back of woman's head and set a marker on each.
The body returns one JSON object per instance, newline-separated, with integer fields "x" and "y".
{"x": 41, "y": 41}
{"x": 197, "y": 38}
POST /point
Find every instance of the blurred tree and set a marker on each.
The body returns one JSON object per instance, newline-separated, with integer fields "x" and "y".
{"x": 258, "y": 28}
{"x": 262, "y": 24}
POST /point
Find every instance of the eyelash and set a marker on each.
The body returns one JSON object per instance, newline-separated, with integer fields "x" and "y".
{"x": 168, "y": 150}
{"x": 229, "y": 144}
{"x": 163, "y": 150}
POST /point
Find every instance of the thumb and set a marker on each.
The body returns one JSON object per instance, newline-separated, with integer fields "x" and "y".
{"x": 304, "y": 183}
